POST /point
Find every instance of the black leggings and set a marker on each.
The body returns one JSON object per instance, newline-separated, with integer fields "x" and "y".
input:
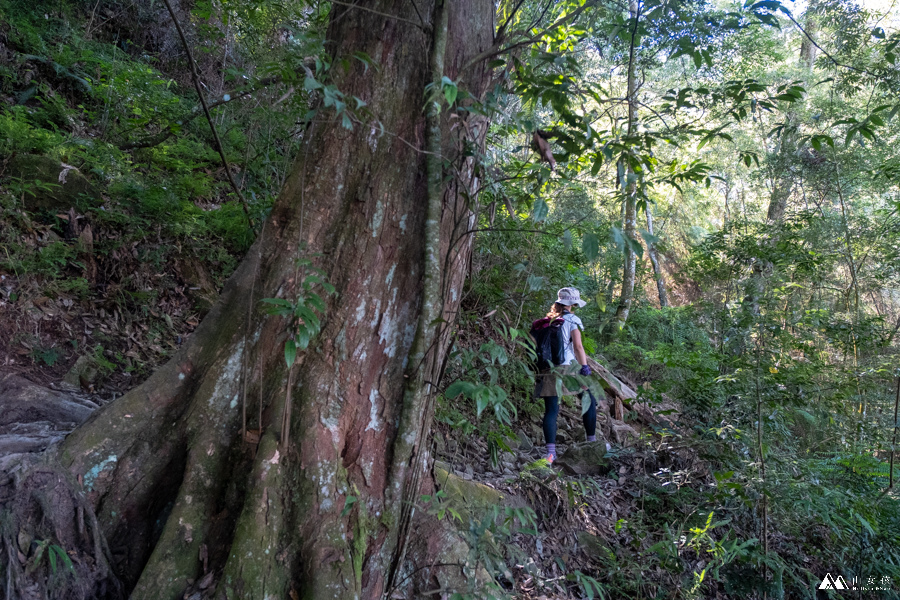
{"x": 551, "y": 412}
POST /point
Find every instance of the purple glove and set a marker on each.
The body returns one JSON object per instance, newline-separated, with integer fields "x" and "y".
{"x": 585, "y": 370}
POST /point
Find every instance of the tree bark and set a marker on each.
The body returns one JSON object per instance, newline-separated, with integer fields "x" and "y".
{"x": 781, "y": 172}
{"x": 629, "y": 183}
{"x": 807, "y": 48}
{"x": 180, "y": 495}
{"x": 654, "y": 260}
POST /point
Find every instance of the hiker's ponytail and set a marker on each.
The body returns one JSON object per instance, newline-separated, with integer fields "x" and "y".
{"x": 556, "y": 310}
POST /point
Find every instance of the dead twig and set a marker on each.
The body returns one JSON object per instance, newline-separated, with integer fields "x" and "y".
{"x": 196, "y": 78}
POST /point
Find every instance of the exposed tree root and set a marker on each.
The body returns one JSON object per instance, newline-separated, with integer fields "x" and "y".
{"x": 52, "y": 545}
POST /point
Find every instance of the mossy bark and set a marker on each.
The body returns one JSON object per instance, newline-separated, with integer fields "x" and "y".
{"x": 180, "y": 495}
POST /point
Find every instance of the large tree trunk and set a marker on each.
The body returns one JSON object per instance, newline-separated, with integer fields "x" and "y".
{"x": 320, "y": 506}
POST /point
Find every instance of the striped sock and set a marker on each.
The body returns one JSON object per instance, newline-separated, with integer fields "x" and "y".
{"x": 592, "y": 438}
{"x": 551, "y": 450}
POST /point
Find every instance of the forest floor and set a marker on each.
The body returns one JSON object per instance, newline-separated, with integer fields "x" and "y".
{"x": 91, "y": 315}
{"x": 583, "y": 504}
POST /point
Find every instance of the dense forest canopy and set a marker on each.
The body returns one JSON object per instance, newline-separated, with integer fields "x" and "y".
{"x": 287, "y": 255}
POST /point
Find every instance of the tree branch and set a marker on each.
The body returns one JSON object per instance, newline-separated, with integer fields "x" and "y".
{"x": 531, "y": 39}
{"x": 196, "y": 77}
{"x": 418, "y": 397}
{"x": 825, "y": 52}
{"x": 159, "y": 138}
{"x": 501, "y": 31}
{"x": 418, "y": 14}
{"x": 385, "y": 15}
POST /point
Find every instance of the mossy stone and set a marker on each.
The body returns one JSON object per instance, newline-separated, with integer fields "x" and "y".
{"x": 472, "y": 500}
{"x": 594, "y": 546}
{"x": 586, "y": 458}
{"x": 62, "y": 186}
{"x": 84, "y": 372}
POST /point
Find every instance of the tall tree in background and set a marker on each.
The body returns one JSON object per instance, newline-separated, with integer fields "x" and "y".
{"x": 654, "y": 260}
{"x": 629, "y": 177}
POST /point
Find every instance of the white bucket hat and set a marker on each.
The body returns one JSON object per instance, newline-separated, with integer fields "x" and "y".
{"x": 568, "y": 296}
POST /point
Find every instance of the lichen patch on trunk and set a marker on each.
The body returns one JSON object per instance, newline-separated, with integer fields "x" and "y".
{"x": 91, "y": 476}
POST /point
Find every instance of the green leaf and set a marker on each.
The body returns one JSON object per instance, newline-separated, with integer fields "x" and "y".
{"x": 651, "y": 240}
{"x": 769, "y": 20}
{"x": 481, "y": 401}
{"x": 698, "y": 58}
{"x": 786, "y": 97}
{"x": 806, "y": 415}
{"x": 540, "y": 210}
{"x": 571, "y": 382}
{"x": 618, "y": 237}
{"x": 310, "y": 84}
{"x": 598, "y": 164}
{"x": 723, "y": 476}
{"x": 290, "y": 352}
{"x": 636, "y": 247}
{"x": 348, "y": 505}
{"x": 590, "y": 245}
{"x": 316, "y": 301}
{"x": 457, "y": 388}
{"x": 818, "y": 140}
{"x": 450, "y": 89}
{"x": 308, "y": 316}
{"x": 865, "y": 524}
{"x": 278, "y": 302}
{"x": 585, "y": 403}
{"x": 303, "y": 336}
{"x": 767, "y": 4}
{"x": 64, "y": 557}
{"x": 450, "y": 93}
{"x": 279, "y": 306}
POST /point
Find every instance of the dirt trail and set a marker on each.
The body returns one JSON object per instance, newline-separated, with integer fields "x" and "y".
{"x": 578, "y": 502}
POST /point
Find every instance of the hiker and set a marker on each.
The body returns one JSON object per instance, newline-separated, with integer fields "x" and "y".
{"x": 573, "y": 361}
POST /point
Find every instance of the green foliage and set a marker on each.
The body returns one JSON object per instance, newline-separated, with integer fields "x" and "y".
{"x": 56, "y": 556}
{"x": 17, "y": 134}
{"x": 302, "y": 313}
{"x": 47, "y": 356}
{"x": 667, "y": 347}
